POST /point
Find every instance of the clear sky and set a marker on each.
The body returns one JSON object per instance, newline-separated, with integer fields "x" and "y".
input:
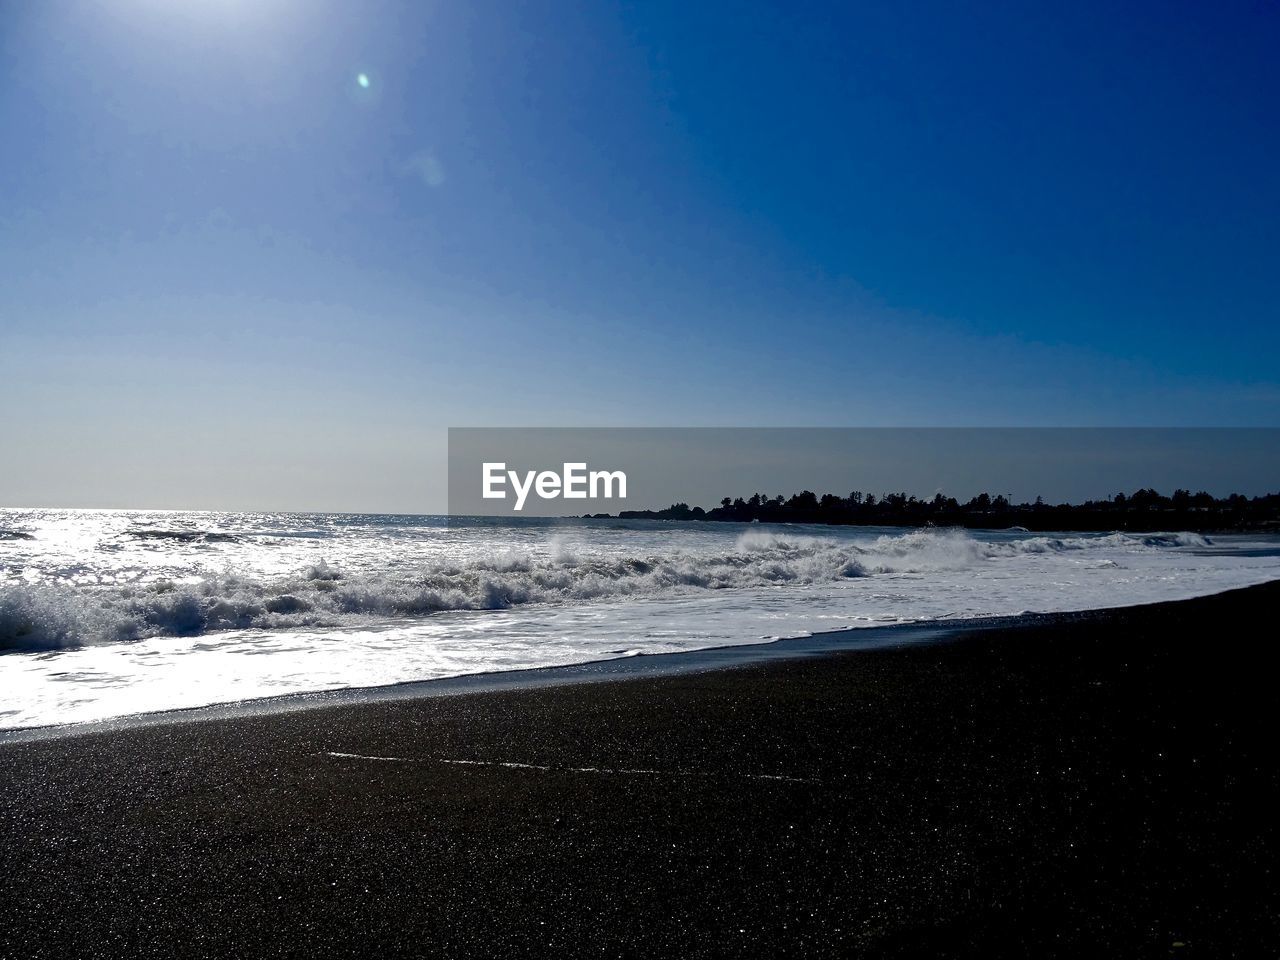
{"x": 260, "y": 253}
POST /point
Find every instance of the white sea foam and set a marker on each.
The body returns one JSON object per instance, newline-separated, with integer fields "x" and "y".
{"x": 58, "y": 616}
{"x": 97, "y": 620}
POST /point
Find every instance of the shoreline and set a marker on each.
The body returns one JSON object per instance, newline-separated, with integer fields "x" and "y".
{"x": 1097, "y": 785}
{"x": 618, "y": 669}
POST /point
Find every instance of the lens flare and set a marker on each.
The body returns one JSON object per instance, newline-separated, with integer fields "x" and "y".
{"x": 363, "y": 80}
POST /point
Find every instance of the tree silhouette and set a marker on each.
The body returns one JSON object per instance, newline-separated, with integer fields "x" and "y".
{"x": 1143, "y": 510}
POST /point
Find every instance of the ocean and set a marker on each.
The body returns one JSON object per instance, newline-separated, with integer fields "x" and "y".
{"x": 107, "y": 613}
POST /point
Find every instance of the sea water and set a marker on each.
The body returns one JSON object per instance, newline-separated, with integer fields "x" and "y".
{"x": 111, "y": 613}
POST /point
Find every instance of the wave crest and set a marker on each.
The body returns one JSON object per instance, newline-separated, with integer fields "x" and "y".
{"x": 321, "y": 595}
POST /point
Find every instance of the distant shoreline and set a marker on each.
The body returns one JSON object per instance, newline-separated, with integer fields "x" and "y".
{"x": 1143, "y": 511}
{"x": 1155, "y": 525}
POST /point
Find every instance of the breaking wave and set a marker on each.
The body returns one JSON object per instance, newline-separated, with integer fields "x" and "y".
{"x": 44, "y": 617}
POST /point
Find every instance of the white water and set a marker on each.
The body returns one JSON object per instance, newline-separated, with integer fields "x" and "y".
{"x": 110, "y": 613}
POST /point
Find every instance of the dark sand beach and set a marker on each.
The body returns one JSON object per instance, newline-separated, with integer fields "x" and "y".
{"x": 1101, "y": 786}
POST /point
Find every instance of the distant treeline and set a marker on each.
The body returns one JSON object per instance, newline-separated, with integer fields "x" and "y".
{"x": 1143, "y": 511}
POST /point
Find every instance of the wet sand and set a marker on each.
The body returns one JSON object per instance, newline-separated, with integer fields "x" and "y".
{"x": 1100, "y": 785}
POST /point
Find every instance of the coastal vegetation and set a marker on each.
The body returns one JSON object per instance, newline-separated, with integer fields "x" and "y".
{"x": 1143, "y": 510}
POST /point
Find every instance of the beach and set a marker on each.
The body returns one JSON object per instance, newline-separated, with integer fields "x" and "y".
{"x": 1101, "y": 784}
{"x": 631, "y": 480}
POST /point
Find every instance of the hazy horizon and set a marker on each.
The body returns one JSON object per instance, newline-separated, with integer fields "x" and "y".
{"x": 700, "y": 466}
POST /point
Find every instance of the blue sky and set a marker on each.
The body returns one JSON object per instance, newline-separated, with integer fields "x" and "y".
{"x": 235, "y": 276}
